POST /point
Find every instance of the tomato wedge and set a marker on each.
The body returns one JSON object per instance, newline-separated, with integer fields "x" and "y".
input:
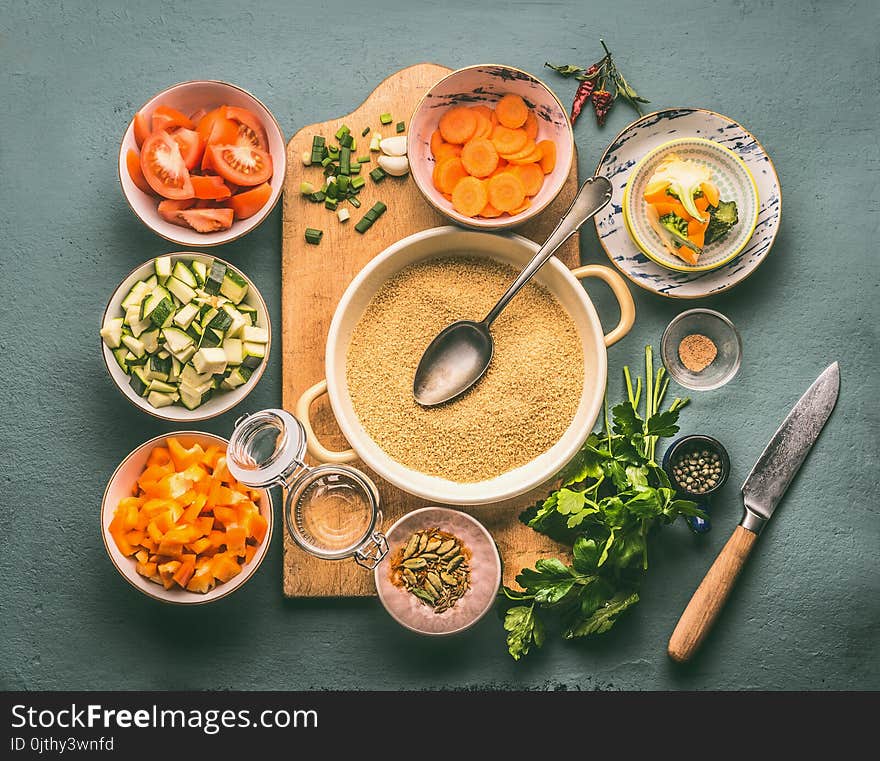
{"x": 164, "y": 168}
{"x": 210, "y": 187}
{"x": 170, "y": 211}
{"x": 207, "y": 220}
{"x": 241, "y": 165}
{"x": 214, "y": 127}
{"x": 167, "y": 118}
{"x": 191, "y": 146}
{"x": 141, "y": 128}
{"x": 251, "y": 201}
{"x": 250, "y": 129}
{"x": 133, "y": 162}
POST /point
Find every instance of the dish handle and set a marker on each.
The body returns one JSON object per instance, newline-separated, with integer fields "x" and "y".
{"x": 621, "y": 293}
{"x": 315, "y": 447}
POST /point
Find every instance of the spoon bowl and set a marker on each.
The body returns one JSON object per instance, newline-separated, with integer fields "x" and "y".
{"x": 461, "y": 353}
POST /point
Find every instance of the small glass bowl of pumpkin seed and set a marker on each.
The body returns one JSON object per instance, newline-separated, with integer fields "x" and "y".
{"x": 442, "y": 571}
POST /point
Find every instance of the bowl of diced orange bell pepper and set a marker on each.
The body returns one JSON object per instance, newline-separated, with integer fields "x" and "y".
{"x": 178, "y": 526}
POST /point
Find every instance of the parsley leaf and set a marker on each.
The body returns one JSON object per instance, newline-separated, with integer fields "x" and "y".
{"x": 524, "y": 630}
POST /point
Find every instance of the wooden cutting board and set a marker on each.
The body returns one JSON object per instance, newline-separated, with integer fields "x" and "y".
{"x": 314, "y": 279}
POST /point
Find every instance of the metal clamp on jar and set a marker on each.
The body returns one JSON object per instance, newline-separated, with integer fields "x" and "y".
{"x": 331, "y": 511}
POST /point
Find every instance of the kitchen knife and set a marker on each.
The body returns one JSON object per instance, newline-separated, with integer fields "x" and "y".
{"x": 762, "y": 491}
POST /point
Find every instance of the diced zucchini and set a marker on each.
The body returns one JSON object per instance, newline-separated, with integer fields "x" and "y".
{"x": 252, "y": 354}
{"x": 158, "y": 399}
{"x": 211, "y": 360}
{"x": 255, "y": 334}
{"x": 239, "y": 376}
{"x": 159, "y": 369}
{"x": 135, "y": 346}
{"x": 136, "y": 295}
{"x": 150, "y": 340}
{"x": 232, "y": 347}
{"x": 187, "y": 354}
{"x": 112, "y": 332}
{"x": 119, "y": 355}
{"x": 133, "y": 320}
{"x": 181, "y": 290}
{"x": 221, "y": 321}
{"x": 238, "y": 321}
{"x": 191, "y": 378}
{"x": 139, "y": 381}
{"x": 176, "y": 368}
{"x": 163, "y": 354}
{"x": 200, "y": 270}
{"x": 184, "y": 274}
{"x": 163, "y": 268}
{"x": 156, "y": 297}
{"x": 195, "y": 331}
{"x": 176, "y": 339}
{"x": 211, "y": 338}
{"x": 162, "y": 387}
{"x": 151, "y": 282}
{"x": 215, "y": 277}
{"x": 185, "y": 315}
{"x": 234, "y": 286}
{"x": 248, "y": 311}
{"x": 192, "y": 398}
{"x": 207, "y": 314}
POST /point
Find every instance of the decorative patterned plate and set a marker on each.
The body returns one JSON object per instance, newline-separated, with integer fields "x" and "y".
{"x": 734, "y": 182}
{"x": 646, "y": 134}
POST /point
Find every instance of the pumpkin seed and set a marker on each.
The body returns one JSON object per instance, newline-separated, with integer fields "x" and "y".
{"x": 415, "y": 563}
{"x": 411, "y": 546}
{"x": 446, "y": 546}
{"x": 454, "y": 563}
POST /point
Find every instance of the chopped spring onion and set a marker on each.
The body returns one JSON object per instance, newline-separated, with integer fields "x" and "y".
{"x": 306, "y": 157}
{"x": 327, "y": 161}
{"x": 401, "y": 126}
{"x": 306, "y": 188}
{"x": 347, "y": 142}
{"x": 357, "y": 183}
{"x": 366, "y": 222}
{"x": 342, "y": 183}
{"x": 353, "y": 200}
{"x": 317, "y": 197}
{"x": 364, "y": 159}
{"x": 385, "y": 118}
{"x": 342, "y": 132}
{"x": 374, "y": 142}
{"x": 343, "y": 215}
{"x": 377, "y": 175}
{"x": 314, "y": 236}
{"x": 345, "y": 161}
{"x": 365, "y": 132}
{"x": 331, "y": 203}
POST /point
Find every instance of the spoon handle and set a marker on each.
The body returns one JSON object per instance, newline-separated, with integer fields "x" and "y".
{"x": 593, "y": 195}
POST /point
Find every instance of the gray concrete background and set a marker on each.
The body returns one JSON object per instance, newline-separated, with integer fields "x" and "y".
{"x": 801, "y": 75}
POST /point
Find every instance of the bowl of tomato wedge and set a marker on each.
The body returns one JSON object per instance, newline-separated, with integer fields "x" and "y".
{"x": 202, "y": 163}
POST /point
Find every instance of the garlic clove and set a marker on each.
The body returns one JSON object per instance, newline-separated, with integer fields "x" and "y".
{"x": 396, "y": 166}
{"x": 394, "y": 146}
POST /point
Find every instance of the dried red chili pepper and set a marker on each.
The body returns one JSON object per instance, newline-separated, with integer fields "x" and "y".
{"x": 584, "y": 91}
{"x": 602, "y": 102}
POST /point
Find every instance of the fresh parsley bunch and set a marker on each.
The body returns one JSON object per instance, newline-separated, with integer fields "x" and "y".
{"x": 610, "y": 497}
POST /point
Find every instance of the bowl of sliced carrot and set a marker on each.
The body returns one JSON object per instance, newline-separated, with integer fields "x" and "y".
{"x": 490, "y": 146}
{"x": 202, "y": 163}
{"x": 178, "y": 526}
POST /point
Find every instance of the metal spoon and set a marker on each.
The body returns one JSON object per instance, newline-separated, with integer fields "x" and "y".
{"x": 460, "y": 355}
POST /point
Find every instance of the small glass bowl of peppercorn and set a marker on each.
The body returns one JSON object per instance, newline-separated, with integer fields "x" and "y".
{"x": 697, "y": 466}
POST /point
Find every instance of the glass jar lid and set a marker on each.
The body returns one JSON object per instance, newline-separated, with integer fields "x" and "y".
{"x": 331, "y": 511}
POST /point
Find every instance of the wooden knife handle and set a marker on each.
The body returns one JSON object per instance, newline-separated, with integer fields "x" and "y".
{"x": 706, "y": 604}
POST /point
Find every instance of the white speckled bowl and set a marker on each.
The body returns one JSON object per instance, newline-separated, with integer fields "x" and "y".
{"x": 120, "y": 485}
{"x": 486, "y": 84}
{"x": 189, "y": 97}
{"x": 485, "y": 577}
{"x": 734, "y": 181}
{"x": 220, "y": 402}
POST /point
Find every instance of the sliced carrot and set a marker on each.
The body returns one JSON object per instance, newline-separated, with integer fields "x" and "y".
{"x": 508, "y": 140}
{"x": 506, "y": 191}
{"x": 446, "y": 151}
{"x": 484, "y": 122}
{"x": 525, "y": 205}
{"x": 527, "y": 150}
{"x": 502, "y": 165}
{"x": 449, "y": 172}
{"x": 658, "y": 195}
{"x": 436, "y": 141}
{"x": 490, "y": 212}
{"x": 133, "y": 163}
{"x": 687, "y": 255}
{"x": 479, "y": 157}
{"x": 458, "y": 124}
{"x": 469, "y": 196}
{"x": 710, "y": 190}
{"x": 512, "y": 111}
{"x": 531, "y": 176}
{"x": 535, "y": 156}
{"x": 702, "y": 203}
{"x": 531, "y": 125}
{"x": 548, "y": 157}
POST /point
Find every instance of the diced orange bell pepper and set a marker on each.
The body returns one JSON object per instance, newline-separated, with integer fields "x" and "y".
{"x": 159, "y": 456}
{"x": 186, "y": 570}
{"x": 224, "y": 567}
{"x": 181, "y": 535}
{"x": 122, "y": 543}
{"x": 149, "y": 544}
{"x": 228, "y": 516}
{"x": 202, "y": 581}
{"x": 235, "y": 540}
{"x": 200, "y": 545}
{"x": 181, "y": 456}
{"x": 204, "y": 524}
{"x": 170, "y": 549}
{"x": 249, "y": 553}
{"x": 134, "y": 538}
{"x": 146, "y": 569}
{"x": 212, "y": 454}
{"x": 154, "y": 532}
{"x": 221, "y": 472}
{"x": 174, "y": 486}
{"x": 218, "y": 539}
{"x": 167, "y": 571}
{"x": 165, "y": 521}
{"x": 142, "y": 556}
{"x": 196, "y": 472}
{"x": 258, "y": 527}
{"x": 191, "y": 514}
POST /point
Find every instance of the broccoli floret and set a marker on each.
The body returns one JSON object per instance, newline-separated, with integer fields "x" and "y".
{"x": 721, "y": 220}
{"x": 675, "y": 223}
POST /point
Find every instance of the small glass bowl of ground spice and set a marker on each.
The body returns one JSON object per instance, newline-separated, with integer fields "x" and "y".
{"x": 701, "y": 349}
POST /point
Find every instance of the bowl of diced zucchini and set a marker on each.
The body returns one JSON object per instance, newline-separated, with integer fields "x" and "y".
{"x": 186, "y": 336}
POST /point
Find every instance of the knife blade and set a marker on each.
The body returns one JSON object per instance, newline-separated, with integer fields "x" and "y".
{"x": 762, "y": 491}
{"x": 789, "y": 446}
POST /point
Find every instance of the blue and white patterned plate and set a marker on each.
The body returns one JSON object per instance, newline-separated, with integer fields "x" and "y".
{"x": 648, "y": 133}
